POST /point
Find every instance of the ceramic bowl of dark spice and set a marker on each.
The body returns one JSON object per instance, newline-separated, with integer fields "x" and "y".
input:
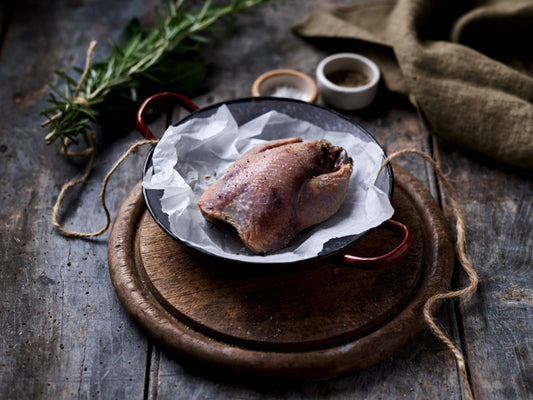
{"x": 347, "y": 81}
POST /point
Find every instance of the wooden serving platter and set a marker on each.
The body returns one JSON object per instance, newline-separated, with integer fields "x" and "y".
{"x": 295, "y": 322}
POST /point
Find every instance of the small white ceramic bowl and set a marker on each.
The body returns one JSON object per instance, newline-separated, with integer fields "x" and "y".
{"x": 286, "y": 83}
{"x": 342, "y": 96}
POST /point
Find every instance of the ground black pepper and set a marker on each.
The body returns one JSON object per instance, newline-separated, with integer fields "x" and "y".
{"x": 348, "y": 78}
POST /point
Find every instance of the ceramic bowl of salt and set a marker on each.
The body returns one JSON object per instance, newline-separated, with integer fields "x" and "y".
{"x": 286, "y": 83}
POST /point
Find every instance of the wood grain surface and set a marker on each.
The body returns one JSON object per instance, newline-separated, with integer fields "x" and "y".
{"x": 63, "y": 331}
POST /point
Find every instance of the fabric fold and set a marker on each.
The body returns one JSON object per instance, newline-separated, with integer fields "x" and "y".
{"x": 462, "y": 64}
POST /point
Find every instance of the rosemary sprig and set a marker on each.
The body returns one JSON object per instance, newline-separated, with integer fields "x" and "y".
{"x": 159, "y": 56}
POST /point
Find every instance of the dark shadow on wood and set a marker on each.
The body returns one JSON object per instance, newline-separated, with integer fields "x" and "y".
{"x": 5, "y": 19}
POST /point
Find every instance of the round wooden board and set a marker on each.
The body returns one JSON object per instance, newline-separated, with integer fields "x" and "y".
{"x": 295, "y": 322}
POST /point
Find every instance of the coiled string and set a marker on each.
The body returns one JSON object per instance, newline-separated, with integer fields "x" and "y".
{"x": 74, "y": 182}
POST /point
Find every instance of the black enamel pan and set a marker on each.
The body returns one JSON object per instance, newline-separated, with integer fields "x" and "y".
{"x": 246, "y": 109}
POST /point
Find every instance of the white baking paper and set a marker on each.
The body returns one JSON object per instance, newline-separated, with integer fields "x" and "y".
{"x": 191, "y": 156}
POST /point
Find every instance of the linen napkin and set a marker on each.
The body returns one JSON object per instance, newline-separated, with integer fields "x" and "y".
{"x": 463, "y": 64}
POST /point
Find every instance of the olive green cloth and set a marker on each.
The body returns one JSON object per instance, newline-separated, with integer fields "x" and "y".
{"x": 462, "y": 63}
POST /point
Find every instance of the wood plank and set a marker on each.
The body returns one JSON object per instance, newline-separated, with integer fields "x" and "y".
{"x": 64, "y": 333}
{"x": 496, "y": 323}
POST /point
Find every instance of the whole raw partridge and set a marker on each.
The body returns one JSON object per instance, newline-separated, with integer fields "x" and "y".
{"x": 277, "y": 189}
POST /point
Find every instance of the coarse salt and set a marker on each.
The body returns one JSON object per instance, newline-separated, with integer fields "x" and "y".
{"x": 288, "y": 91}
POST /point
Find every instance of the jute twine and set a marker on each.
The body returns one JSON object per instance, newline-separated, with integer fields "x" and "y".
{"x": 75, "y": 95}
{"x": 91, "y": 152}
{"x": 460, "y": 248}
{"x": 74, "y": 182}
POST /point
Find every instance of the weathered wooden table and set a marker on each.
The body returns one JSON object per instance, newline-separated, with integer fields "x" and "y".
{"x": 64, "y": 333}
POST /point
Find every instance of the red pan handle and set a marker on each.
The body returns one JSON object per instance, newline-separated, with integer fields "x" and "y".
{"x": 385, "y": 260}
{"x": 159, "y": 99}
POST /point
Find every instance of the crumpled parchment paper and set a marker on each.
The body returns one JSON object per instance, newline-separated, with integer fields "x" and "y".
{"x": 192, "y": 155}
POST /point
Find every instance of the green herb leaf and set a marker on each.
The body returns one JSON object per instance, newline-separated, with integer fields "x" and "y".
{"x": 141, "y": 63}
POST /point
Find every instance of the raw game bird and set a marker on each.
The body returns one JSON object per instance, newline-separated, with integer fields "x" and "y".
{"x": 277, "y": 189}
